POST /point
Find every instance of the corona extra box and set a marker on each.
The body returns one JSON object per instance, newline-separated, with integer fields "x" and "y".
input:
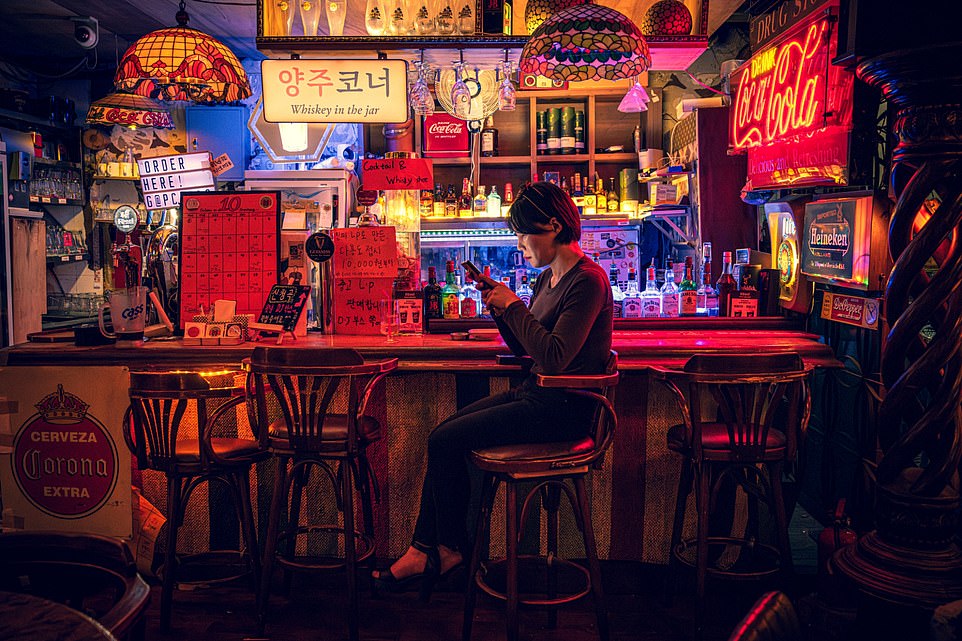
{"x": 64, "y": 464}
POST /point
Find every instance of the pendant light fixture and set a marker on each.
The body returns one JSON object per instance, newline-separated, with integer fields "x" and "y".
{"x": 586, "y": 42}
{"x": 129, "y": 110}
{"x": 181, "y": 63}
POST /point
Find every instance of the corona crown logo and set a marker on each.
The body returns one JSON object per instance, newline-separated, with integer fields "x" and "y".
{"x": 60, "y": 408}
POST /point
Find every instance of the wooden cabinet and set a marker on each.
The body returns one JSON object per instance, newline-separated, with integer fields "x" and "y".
{"x": 517, "y": 160}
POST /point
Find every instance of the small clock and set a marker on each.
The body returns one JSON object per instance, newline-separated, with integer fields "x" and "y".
{"x": 125, "y": 218}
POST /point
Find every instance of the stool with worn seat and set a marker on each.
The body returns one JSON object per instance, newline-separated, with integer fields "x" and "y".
{"x": 548, "y": 466}
{"x": 192, "y": 452}
{"x": 322, "y": 396}
{"x": 742, "y": 419}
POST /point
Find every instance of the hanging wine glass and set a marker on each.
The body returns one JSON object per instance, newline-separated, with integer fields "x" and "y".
{"x": 460, "y": 93}
{"x": 422, "y": 102}
{"x": 507, "y": 96}
{"x": 636, "y": 100}
{"x": 375, "y": 20}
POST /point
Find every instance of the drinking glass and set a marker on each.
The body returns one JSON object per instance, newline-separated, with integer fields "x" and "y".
{"x": 422, "y": 102}
{"x": 285, "y": 16}
{"x": 445, "y": 19}
{"x": 389, "y": 319}
{"x": 460, "y": 94}
{"x": 506, "y": 92}
{"x": 336, "y": 12}
{"x": 424, "y": 11}
{"x": 310, "y": 15}
{"x": 375, "y": 20}
{"x": 465, "y": 21}
{"x": 400, "y": 22}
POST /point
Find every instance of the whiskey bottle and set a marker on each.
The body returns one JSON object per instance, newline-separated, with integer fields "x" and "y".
{"x": 688, "y": 291}
{"x": 480, "y": 202}
{"x": 427, "y": 203}
{"x": 726, "y": 285}
{"x": 612, "y": 197}
{"x": 489, "y": 138}
{"x": 450, "y": 202}
{"x": 438, "y": 201}
{"x": 508, "y": 200}
{"x": 602, "y": 198}
{"x": 432, "y": 295}
{"x": 465, "y": 203}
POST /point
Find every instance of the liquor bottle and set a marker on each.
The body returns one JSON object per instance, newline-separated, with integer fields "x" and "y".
{"x": 688, "y": 291}
{"x": 669, "y": 293}
{"x": 579, "y": 132}
{"x": 465, "y": 203}
{"x": 523, "y": 291}
{"x": 567, "y": 141}
{"x": 450, "y": 202}
{"x": 726, "y": 285}
{"x": 564, "y": 185}
{"x": 711, "y": 294}
{"x": 602, "y": 198}
{"x": 489, "y": 138}
{"x": 438, "y": 200}
{"x": 590, "y": 198}
{"x": 493, "y": 205}
{"x": 470, "y": 298}
{"x": 631, "y": 306}
{"x": 508, "y": 200}
{"x": 612, "y": 197}
{"x": 553, "y": 120}
{"x": 432, "y": 295}
{"x": 541, "y": 126}
{"x": 480, "y": 202}
{"x": 701, "y": 306}
{"x": 617, "y": 296}
{"x": 577, "y": 195}
{"x": 427, "y": 203}
{"x": 450, "y": 299}
{"x": 651, "y": 297}
{"x": 484, "y": 308}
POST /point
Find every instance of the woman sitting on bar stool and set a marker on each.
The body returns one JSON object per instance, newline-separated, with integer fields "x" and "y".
{"x": 567, "y": 330}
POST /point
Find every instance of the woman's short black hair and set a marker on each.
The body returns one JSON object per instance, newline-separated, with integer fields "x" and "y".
{"x": 537, "y": 204}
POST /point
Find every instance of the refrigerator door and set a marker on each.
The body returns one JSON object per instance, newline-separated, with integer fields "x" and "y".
{"x": 307, "y": 197}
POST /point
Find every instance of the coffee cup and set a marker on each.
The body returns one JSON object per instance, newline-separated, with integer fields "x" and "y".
{"x": 128, "y": 312}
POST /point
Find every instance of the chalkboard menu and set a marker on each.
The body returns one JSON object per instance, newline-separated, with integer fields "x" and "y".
{"x": 285, "y": 304}
{"x": 229, "y": 247}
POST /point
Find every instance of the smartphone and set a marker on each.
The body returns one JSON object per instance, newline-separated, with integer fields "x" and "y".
{"x": 476, "y": 275}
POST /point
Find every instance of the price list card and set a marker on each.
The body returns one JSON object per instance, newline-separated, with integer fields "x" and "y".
{"x": 229, "y": 246}
{"x": 365, "y": 266}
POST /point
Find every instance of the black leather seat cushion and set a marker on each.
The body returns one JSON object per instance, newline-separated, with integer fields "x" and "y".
{"x": 529, "y": 458}
{"x": 714, "y": 436}
{"x": 334, "y": 432}
{"x": 187, "y": 451}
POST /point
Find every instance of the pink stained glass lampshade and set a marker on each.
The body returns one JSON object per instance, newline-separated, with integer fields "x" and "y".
{"x": 586, "y": 42}
{"x": 180, "y": 63}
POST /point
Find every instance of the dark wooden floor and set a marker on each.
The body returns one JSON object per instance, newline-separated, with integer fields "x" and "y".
{"x": 315, "y": 608}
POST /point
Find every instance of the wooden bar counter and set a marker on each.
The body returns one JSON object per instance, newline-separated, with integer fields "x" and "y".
{"x": 633, "y": 495}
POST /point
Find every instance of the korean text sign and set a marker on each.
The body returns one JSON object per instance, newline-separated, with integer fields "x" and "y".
{"x": 365, "y": 252}
{"x": 398, "y": 173}
{"x": 310, "y": 90}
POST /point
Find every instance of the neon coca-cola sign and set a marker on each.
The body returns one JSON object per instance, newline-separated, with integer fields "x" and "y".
{"x": 129, "y": 117}
{"x": 782, "y": 90}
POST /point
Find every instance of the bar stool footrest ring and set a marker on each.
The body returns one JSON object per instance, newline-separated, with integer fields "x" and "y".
{"x": 574, "y": 572}
{"x": 364, "y": 549}
{"x": 765, "y": 555}
{"x": 209, "y": 568}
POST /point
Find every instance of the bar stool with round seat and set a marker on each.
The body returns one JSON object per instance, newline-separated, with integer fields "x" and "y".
{"x": 548, "y": 466}
{"x": 321, "y": 396}
{"x": 164, "y": 436}
{"x": 743, "y": 417}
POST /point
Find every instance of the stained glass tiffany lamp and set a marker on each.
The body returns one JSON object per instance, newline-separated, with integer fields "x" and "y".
{"x": 129, "y": 110}
{"x": 180, "y": 63}
{"x": 586, "y": 42}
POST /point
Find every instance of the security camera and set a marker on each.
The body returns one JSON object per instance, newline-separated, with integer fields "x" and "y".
{"x": 86, "y": 31}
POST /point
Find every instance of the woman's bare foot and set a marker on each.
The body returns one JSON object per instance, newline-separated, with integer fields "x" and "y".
{"x": 449, "y": 558}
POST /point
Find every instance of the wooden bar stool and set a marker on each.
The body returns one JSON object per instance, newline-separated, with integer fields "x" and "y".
{"x": 548, "y": 466}
{"x": 161, "y": 439}
{"x": 742, "y": 419}
{"x": 322, "y": 395}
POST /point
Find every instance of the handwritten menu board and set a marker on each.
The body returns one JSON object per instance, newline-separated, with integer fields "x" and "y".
{"x": 365, "y": 266}
{"x": 398, "y": 173}
{"x": 284, "y": 305}
{"x": 357, "y": 304}
{"x": 365, "y": 252}
{"x": 229, "y": 244}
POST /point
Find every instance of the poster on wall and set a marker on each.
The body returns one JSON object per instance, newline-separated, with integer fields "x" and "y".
{"x": 64, "y": 464}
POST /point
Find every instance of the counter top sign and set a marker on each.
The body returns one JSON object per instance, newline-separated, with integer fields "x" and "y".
{"x": 315, "y": 90}
{"x": 285, "y": 304}
{"x": 398, "y": 173}
{"x": 163, "y": 178}
{"x": 365, "y": 252}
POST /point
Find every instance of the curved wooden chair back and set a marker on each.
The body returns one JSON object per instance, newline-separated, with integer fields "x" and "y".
{"x": 772, "y": 618}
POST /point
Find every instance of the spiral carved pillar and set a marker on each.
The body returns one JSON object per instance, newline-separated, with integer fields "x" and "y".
{"x": 911, "y": 559}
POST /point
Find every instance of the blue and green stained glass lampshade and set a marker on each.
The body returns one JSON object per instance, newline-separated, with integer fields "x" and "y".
{"x": 586, "y": 42}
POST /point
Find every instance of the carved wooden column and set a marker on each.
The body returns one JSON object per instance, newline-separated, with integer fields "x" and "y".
{"x": 910, "y": 559}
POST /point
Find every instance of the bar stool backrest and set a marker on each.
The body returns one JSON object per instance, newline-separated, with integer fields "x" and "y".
{"x": 310, "y": 386}
{"x": 750, "y": 391}
{"x": 158, "y": 403}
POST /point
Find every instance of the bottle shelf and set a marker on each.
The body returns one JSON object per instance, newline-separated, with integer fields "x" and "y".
{"x": 485, "y": 160}
{"x": 59, "y": 259}
{"x": 55, "y": 200}
{"x": 562, "y": 158}
{"x": 620, "y": 157}
{"x": 60, "y": 164}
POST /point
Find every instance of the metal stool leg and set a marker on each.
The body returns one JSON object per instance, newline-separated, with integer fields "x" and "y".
{"x": 350, "y": 549}
{"x": 781, "y": 519}
{"x": 701, "y": 561}
{"x": 511, "y": 545}
{"x": 174, "y": 491}
{"x": 551, "y": 496}
{"x": 242, "y": 481}
{"x": 677, "y": 526}
{"x": 489, "y": 489}
{"x": 591, "y": 551}
{"x": 278, "y": 500}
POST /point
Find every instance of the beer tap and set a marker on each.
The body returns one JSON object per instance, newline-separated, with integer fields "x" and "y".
{"x": 127, "y": 256}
